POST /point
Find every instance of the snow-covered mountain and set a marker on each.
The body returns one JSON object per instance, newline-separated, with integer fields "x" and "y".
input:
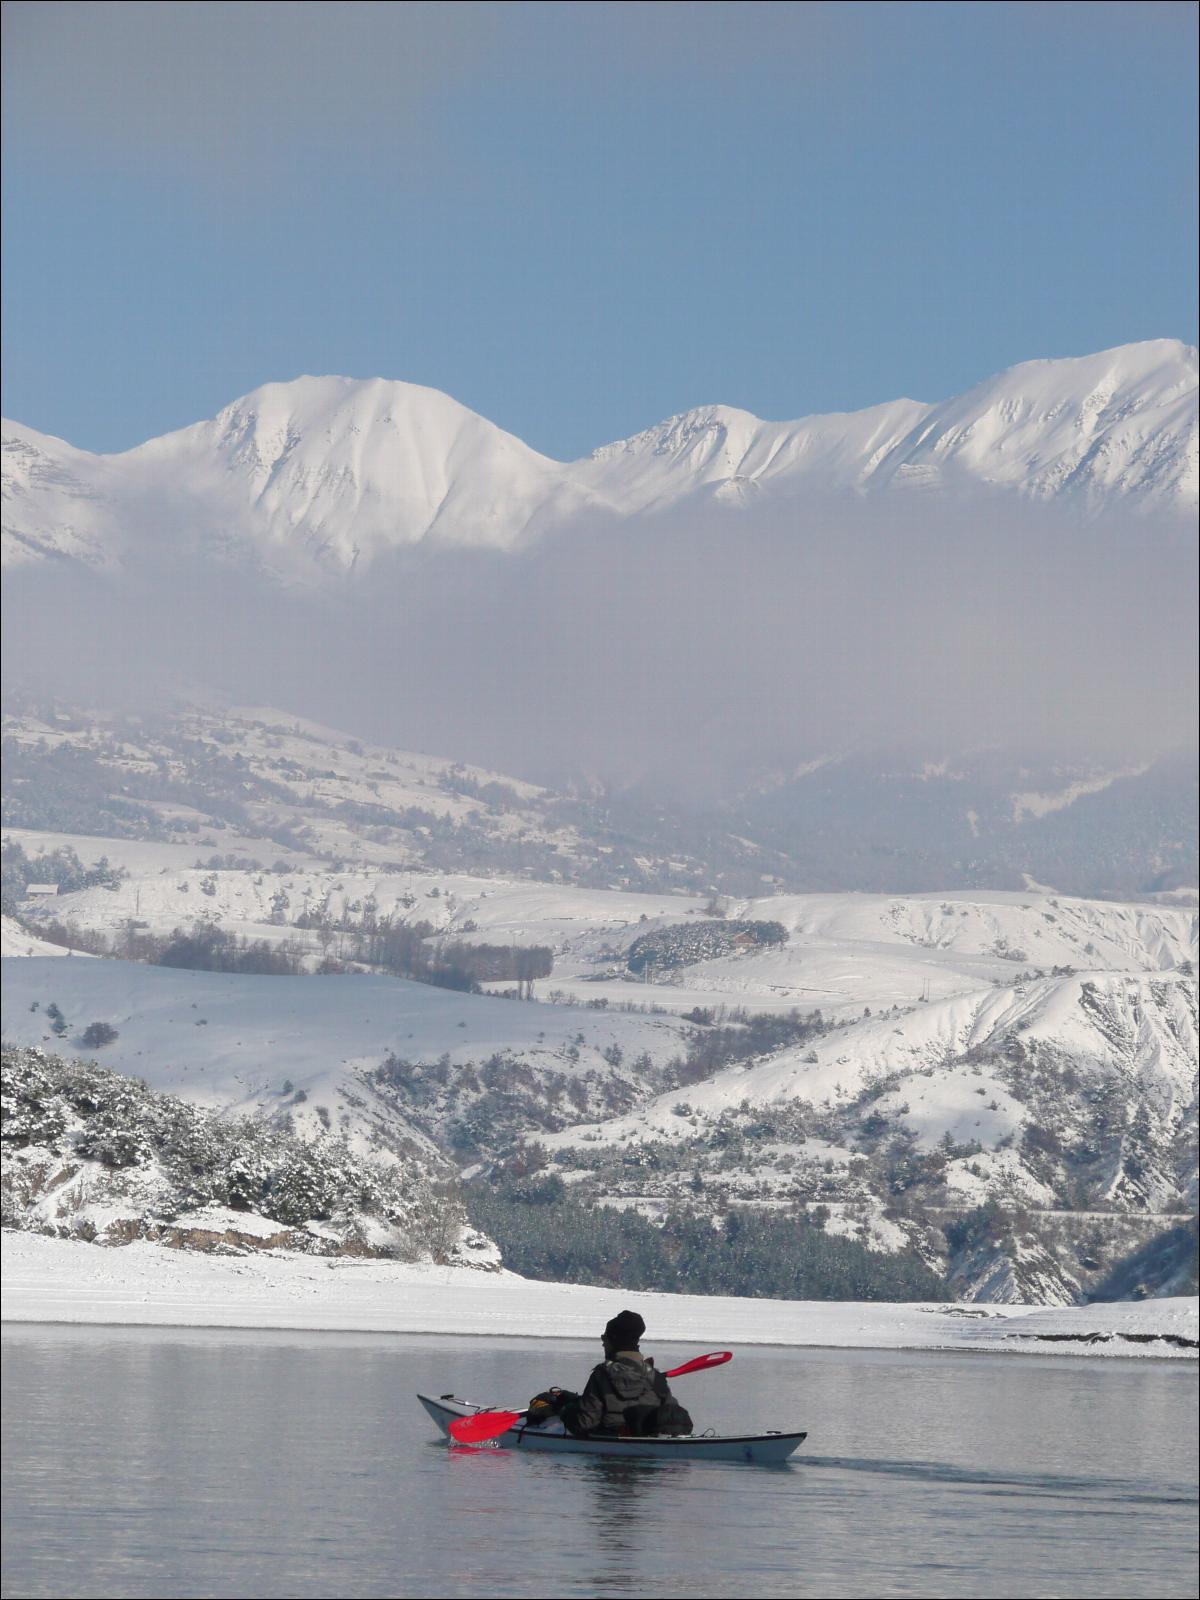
{"x": 342, "y": 470}
{"x": 1120, "y": 425}
{"x": 324, "y": 470}
{"x": 262, "y": 786}
{"x": 331, "y": 473}
{"x": 56, "y": 501}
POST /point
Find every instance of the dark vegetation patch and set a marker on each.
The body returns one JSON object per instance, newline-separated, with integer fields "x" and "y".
{"x": 62, "y": 867}
{"x": 685, "y": 943}
{"x": 477, "y": 1109}
{"x": 1166, "y": 1264}
{"x": 545, "y": 1233}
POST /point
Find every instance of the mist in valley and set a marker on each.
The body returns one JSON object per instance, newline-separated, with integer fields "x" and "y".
{"x": 685, "y": 655}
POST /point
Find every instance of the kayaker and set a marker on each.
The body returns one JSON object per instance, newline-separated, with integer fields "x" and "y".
{"x": 624, "y": 1394}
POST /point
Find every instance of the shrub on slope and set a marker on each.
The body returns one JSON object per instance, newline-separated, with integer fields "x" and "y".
{"x": 95, "y": 1154}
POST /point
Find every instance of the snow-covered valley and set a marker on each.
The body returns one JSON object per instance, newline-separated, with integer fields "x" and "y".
{"x": 1000, "y": 1083}
{"x": 316, "y": 1050}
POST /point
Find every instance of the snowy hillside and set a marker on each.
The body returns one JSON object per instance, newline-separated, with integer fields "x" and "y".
{"x": 894, "y": 1061}
{"x": 93, "y": 1155}
{"x": 331, "y": 473}
{"x": 16, "y": 940}
{"x": 927, "y": 1071}
{"x": 998, "y": 1086}
{"x": 259, "y": 787}
{"x": 201, "y": 786}
{"x": 1045, "y": 1131}
{"x": 308, "y": 1051}
{"x": 890, "y": 1066}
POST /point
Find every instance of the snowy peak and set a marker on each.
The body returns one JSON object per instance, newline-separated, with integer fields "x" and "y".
{"x": 55, "y": 505}
{"x": 699, "y": 436}
{"x": 329, "y": 474}
{"x": 388, "y": 435}
{"x": 339, "y": 468}
{"x": 318, "y": 473}
{"x": 1120, "y": 423}
{"x": 733, "y": 455}
{"x": 1111, "y": 426}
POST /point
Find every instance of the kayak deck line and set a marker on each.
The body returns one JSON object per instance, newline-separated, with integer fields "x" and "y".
{"x": 770, "y": 1448}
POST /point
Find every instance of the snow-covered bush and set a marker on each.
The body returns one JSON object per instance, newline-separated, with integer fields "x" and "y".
{"x": 117, "y": 1140}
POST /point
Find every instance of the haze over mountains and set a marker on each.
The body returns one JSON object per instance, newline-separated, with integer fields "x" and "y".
{"x": 328, "y": 474}
{"x": 911, "y": 647}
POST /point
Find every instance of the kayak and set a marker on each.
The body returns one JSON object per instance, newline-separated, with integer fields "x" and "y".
{"x": 768, "y": 1448}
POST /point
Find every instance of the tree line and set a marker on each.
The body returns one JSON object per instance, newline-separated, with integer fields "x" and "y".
{"x": 546, "y": 1234}
{"x": 404, "y": 950}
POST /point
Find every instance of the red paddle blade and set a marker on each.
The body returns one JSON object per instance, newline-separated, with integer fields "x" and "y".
{"x": 716, "y": 1358}
{"x": 483, "y": 1425}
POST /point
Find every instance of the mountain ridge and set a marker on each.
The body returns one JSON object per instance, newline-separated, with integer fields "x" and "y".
{"x": 331, "y": 473}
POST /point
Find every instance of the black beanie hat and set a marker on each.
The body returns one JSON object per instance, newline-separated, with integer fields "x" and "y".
{"x": 624, "y": 1331}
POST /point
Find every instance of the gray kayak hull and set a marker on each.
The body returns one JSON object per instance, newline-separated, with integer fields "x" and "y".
{"x": 762, "y": 1448}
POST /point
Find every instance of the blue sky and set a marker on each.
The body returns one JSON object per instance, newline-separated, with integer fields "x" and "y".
{"x": 580, "y": 219}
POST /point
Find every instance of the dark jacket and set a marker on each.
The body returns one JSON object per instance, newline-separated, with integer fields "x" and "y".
{"x": 625, "y": 1394}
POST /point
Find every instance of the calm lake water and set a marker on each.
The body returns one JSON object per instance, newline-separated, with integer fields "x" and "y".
{"x": 152, "y": 1462}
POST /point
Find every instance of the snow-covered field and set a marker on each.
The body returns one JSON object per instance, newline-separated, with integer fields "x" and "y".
{"x": 262, "y": 1044}
{"x": 147, "y": 858}
{"x": 843, "y": 952}
{"x": 59, "y": 1280}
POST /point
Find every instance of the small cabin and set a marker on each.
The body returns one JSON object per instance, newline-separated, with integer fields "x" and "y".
{"x": 35, "y": 891}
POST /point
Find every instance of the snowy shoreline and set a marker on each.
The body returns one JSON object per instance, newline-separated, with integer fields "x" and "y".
{"x": 48, "y": 1280}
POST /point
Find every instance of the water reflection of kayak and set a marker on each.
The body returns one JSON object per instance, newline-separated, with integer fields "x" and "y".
{"x": 766, "y": 1448}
